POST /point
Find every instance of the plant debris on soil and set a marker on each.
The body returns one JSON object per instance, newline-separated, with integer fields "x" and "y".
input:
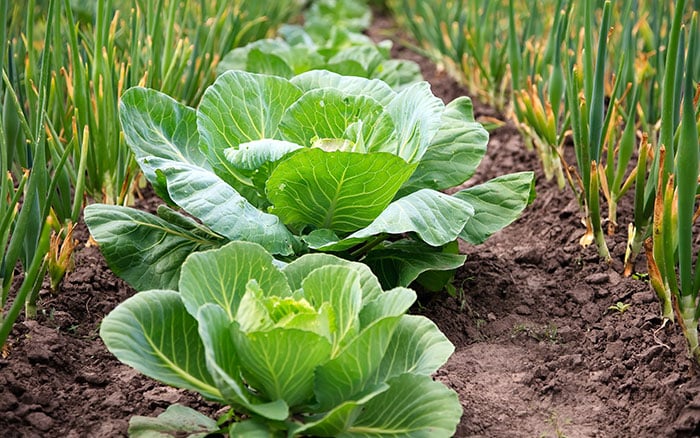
{"x": 541, "y": 350}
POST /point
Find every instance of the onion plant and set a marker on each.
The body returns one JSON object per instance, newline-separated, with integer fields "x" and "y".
{"x": 537, "y": 84}
{"x": 565, "y": 94}
{"x": 466, "y": 37}
{"x": 673, "y": 267}
{"x": 585, "y": 97}
{"x": 25, "y": 226}
{"x": 669, "y": 85}
{"x": 640, "y": 63}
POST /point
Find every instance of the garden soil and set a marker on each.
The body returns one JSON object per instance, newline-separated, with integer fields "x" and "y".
{"x": 538, "y": 351}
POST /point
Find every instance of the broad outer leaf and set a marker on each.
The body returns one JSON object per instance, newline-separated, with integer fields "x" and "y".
{"x": 305, "y": 58}
{"x": 400, "y": 263}
{"x": 351, "y": 85}
{"x": 367, "y": 56}
{"x": 414, "y": 405}
{"x": 219, "y": 206}
{"x": 347, "y": 67}
{"x": 341, "y": 191}
{"x": 241, "y": 107}
{"x": 254, "y": 58}
{"x": 153, "y": 333}
{"x": 350, "y": 16}
{"x": 454, "y": 153}
{"x": 300, "y": 268}
{"x": 416, "y": 113}
{"x": 252, "y": 428}
{"x": 176, "y": 419}
{"x": 237, "y": 59}
{"x": 328, "y": 113}
{"x": 252, "y": 155}
{"x": 497, "y": 203}
{"x": 326, "y": 240}
{"x": 436, "y": 217}
{"x": 141, "y": 248}
{"x": 221, "y": 276}
{"x": 156, "y": 125}
{"x": 398, "y": 73}
{"x": 340, "y": 418}
{"x": 268, "y": 63}
{"x": 393, "y": 302}
{"x": 417, "y": 347}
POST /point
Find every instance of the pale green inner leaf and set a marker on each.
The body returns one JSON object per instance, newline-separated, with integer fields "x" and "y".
{"x": 324, "y": 189}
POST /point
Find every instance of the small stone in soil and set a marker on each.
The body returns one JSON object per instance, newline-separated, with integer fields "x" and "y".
{"x": 631, "y": 364}
{"x": 92, "y": 379}
{"x": 672, "y": 379}
{"x": 592, "y": 257}
{"x": 618, "y": 370}
{"x": 523, "y": 310}
{"x": 39, "y": 355}
{"x": 112, "y": 428}
{"x": 115, "y": 399}
{"x": 643, "y": 297}
{"x": 590, "y": 313}
{"x": 40, "y": 420}
{"x": 8, "y": 401}
{"x": 530, "y": 256}
{"x": 650, "y": 353}
{"x": 597, "y": 278}
{"x": 614, "y": 277}
{"x": 602, "y": 292}
{"x": 581, "y": 295}
{"x": 657, "y": 364}
{"x": 615, "y": 350}
{"x": 610, "y": 333}
{"x": 600, "y": 376}
{"x": 559, "y": 311}
{"x": 627, "y": 335}
{"x": 22, "y": 410}
{"x": 566, "y": 334}
{"x": 166, "y": 394}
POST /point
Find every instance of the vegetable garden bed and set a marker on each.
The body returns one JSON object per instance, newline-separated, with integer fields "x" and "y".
{"x": 542, "y": 347}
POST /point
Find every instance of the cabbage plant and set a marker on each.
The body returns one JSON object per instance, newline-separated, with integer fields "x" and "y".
{"x": 317, "y": 163}
{"x": 337, "y": 50}
{"x": 330, "y": 39}
{"x": 315, "y": 348}
{"x": 353, "y": 15}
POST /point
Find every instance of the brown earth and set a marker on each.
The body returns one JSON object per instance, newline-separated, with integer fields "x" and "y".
{"x": 538, "y": 352}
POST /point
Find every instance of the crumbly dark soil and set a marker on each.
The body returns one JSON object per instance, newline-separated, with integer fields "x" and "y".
{"x": 538, "y": 352}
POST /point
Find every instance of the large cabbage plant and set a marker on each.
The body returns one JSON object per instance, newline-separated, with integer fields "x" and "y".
{"x": 315, "y": 348}
{"x": 316, "y": 163}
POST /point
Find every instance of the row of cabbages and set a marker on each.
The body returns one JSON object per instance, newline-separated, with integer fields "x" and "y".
{"x": 313, "y": 202}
